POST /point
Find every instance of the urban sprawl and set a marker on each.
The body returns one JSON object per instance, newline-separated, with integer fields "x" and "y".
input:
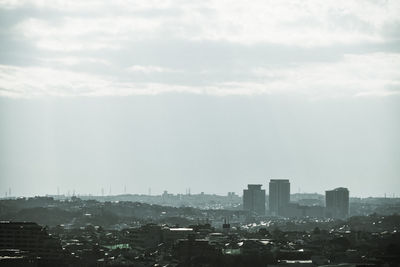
{"x": 255, "y": 229}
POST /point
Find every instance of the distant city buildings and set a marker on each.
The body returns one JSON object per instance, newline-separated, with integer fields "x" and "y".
{"x": 281, "y": 203}
{"x": 337, "y": 203}
{"x": 254, "y": 199}
{"x": 139, "y": 234}
{"x": 279, "y": 196}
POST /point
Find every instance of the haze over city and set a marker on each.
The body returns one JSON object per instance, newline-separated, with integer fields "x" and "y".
{"x": 210, "y": 95}
{"x": 212, "y": 133}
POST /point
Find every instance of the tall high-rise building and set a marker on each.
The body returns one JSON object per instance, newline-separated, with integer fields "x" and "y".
{"x": 254, "y": 199}
{"x": 337, "y": 203}
{"x": 279, "y": 196}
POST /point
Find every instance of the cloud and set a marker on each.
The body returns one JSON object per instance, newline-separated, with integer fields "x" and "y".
{"x": 355, "y": 75}
{"x": 74, "y": 61}
{"x": 148, "y": 69}
{"x": 38, "y": 81}
{"x": 217, "y": 47}
{"x": 303, "y": 23}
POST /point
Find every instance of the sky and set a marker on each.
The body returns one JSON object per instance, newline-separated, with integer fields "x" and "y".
{"x": 207, "y": 95}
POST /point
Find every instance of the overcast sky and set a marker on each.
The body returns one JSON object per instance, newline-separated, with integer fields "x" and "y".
{"x": 210, "y": 95}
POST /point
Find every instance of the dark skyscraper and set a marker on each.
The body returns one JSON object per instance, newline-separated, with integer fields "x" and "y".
{"x": 279, "y": 195}
{"x": 337, "y": 203}
{"x": 254, "y": 199}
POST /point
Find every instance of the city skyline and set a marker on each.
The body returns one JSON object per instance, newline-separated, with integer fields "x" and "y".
{"x": 108, "y": 191}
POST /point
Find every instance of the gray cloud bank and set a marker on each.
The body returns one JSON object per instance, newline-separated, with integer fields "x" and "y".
{"x": 95, "y": 48}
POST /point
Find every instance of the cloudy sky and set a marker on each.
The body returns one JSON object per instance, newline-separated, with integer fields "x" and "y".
{"x": 210, "y": 95}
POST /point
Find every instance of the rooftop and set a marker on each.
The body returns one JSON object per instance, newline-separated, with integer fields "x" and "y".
{"x": 279, "y": 181}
